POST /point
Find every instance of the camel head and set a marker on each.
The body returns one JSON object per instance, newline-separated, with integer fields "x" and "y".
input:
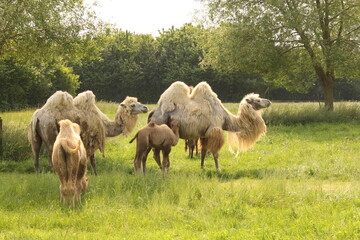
{"x": 132, "y": 106}
{"x": 255, "y": 101}
{"x": 174, "y": 125}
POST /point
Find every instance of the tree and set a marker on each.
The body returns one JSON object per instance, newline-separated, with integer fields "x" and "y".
{"x": 290, "y": 42}
{"x": 127, "y": 66}
{"x": 43, "y": 30}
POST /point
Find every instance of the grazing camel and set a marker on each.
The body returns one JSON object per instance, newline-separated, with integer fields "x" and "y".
{"x": 95, "y": 125}
{"x": 202, "y": 115}
{"x": 69, "y": 158}
{"x": 158, "y": 137}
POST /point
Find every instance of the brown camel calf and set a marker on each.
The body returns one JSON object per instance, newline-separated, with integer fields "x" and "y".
{"x": 158, "y": 137}
{"x": 70, "y": 162}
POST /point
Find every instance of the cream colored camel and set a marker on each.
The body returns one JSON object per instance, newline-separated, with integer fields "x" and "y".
{"x": 95, "y": 125}
{"x": 201, "y": 114}
{"x": 67, "y": 157}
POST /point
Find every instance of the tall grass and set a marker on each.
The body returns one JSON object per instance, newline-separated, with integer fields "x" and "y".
{"x": 311, "y": 112}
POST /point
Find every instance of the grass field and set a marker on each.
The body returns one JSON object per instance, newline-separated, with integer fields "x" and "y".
{"x": 300, "y": 181}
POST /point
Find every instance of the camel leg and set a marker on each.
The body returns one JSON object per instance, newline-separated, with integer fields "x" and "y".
{"x": 203, "y": 151}
{"x": 137, "y": 164}
{"x": 216, "y": 156}
{"x": 50, "y": 148}
{"x": 191, "y": 148}
{"x": 213, "y": 143}
{"x": 36, "y": 146}
{"x": 144, "y": 158}
{"x": 156, "y": 156}
{"x": 93, "y": 163}
{"x": 166, "y": 160}
{"x": 196, "y": 146}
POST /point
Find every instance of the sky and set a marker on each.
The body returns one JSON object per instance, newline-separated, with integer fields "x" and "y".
{"x": 147, "y": 16}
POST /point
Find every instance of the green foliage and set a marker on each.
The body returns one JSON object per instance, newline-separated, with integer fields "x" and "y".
{"x": 46, "y": 30}
{"x": 31, "y": 84}
{"x": 292, "y": 43}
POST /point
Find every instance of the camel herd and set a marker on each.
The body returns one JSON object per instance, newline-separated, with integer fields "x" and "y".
{"x": 74, "y": 128}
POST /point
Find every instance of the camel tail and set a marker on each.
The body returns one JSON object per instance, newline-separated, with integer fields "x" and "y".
{"x": 133, "y": 138}
{"x": 68, "y": 146}
{"x": 33, "y": 133}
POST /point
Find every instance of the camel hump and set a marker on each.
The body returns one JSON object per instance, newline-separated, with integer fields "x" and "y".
{"x": 59, "y": 99}
{"x": 176, "y": 95}
{"x": 70, "y": 146}
{"x": 203, "y": 92}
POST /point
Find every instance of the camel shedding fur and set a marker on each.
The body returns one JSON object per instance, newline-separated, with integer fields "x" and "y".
{"x": 95, "y": 125}
{"x": 202, "y": 115}
{"x": 245, "y": 139}
{"x": 70, "y": 161}
{"x": 158, "y": 137}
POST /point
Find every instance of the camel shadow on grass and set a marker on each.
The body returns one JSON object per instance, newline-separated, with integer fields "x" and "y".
{"x": 261, "y": 173}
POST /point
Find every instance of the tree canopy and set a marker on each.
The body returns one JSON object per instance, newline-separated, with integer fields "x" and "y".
{"x": 46, "y": 30}
{"x": 290, "y": 42}
{"x": 251, "y": 46}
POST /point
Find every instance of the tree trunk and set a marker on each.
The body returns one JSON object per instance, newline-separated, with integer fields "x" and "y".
{"x": 328, "y": 86}
{"x": 327, "y": 80}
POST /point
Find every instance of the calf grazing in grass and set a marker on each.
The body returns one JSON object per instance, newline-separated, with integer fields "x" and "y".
{"x": 70, "y": 162}
{"x": 158, "y": 137}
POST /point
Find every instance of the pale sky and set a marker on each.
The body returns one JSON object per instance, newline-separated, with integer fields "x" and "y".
{"x": 147, "y": 16}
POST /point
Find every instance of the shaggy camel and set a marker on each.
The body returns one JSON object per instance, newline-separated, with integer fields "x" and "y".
{"x": 69, "y": 160}
{"x": 95, "y": 125}
{"x": 158, "y": 137}
{"x": 201, "y": 114}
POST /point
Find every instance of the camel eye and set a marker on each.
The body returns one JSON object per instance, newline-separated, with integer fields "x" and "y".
{"x": 132, "y": 105}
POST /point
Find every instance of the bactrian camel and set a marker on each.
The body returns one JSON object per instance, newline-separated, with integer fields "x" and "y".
{"x": 201, "y": 114}
{"x": 70, "y": 161}
{"x": 95, "y": 125}
{"x": 159, "y": 138}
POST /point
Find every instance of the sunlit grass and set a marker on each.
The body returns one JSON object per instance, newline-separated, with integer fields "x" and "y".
{"x": 300, "y": 181}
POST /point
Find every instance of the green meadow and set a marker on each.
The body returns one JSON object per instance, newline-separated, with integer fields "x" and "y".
{"x": 300, "y": 181}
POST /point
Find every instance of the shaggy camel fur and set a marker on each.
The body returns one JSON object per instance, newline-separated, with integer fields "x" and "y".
{"x": 95, "y": 125}
{"x": 201, "y": 114}
{"x": 69, "y": 160}
{"x": 158, "y": 137}
{"x": 244, "y": 140}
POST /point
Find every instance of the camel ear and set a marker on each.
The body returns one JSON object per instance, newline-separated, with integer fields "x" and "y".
{"x": 248, "y": 101}
{"x": 122, "y": 104}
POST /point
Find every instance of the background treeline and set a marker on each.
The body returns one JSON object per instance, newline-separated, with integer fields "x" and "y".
{"x": 143, "y": 66}
{"x": 292, "y": 50}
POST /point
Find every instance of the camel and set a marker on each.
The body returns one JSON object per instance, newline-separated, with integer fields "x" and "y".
{"x": 202, "y": 115}
{"x": 69, "y": 158}
{"x": 158, "y": 137}
{"x": 95, "y": 125}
